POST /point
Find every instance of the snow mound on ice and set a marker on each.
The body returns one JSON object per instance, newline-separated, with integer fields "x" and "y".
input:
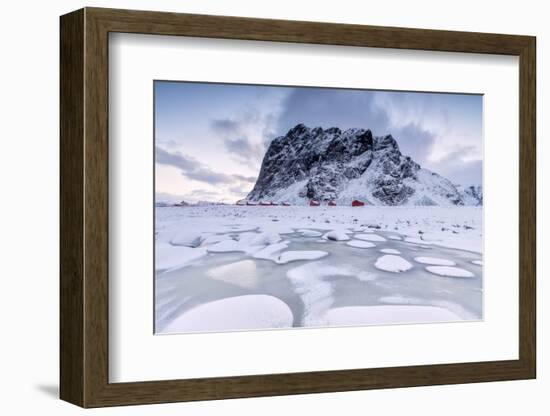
{"x": 369, "y": 237}
{"x": 449, "y": 271}
{"x": 390, "y": 251}
{"x": 309, "y": 233}
{"x": 259, "y": 239}
{"x": 227, "y": 246}
{"x": 248, "y": 242}
{"x": 169, "y": 257}
{"x": 336, "y": 235}
{"x": 291, "y": 255}
{"x": 477, "y": 262}
{"x": 271, "y": 251}
{"x": 215, "y": 238}
{"x": 235, "y": 313}
{"x": 189, "y": 238}
{"x": 388, "y": 314}
{"x": 360, "y": 244}
{"x": 391, "y": 263}
{"x": 434, "y": 261}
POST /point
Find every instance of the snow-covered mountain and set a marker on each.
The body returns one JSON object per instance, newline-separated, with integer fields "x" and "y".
{"x": 471, "y": 195}
{"x": 334, "y": 165}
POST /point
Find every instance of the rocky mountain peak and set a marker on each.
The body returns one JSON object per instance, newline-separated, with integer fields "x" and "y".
{"x": 335, "y": 165}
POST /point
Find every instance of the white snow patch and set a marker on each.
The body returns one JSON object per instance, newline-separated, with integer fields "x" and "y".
{"x": 270, "y": 252}
{"x": 248, "y": 242}
{"x": 369, "y": 237}
{"x": 188, "y": 237}
{"x": 235, "y": 313}
{"x": 391, "y": 263}
{"x": 388, "y": 314}
{"x": 169, "y": 257}
{"x": 336, "y": 235}
{"x": 477, "y": 262}
{"x": 360, "y": 244}
{"x": 215, "y": 238}
{"x": 259, "y": 239}
{"x": 229, "y": 246}
{"x": 434, "y": 261}
{"x": 390, "y": 251}
{"x": 449, "y": 271}
{"x": 309, "y": 233}
{"x": 294, "y": 255}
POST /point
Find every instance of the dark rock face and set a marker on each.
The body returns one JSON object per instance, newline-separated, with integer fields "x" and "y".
{"x": 338, "y": 165}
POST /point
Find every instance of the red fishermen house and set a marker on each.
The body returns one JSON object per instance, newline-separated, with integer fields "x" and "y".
{"x": 313, "y": 203}
{"x": 331, "y": 203}
{"x": 357, "y": 203}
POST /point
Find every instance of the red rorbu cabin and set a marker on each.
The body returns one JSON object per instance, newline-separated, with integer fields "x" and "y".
{"x": 357, "y": 203}
{"x": 285, "y": 204}
{"x": 313, "y": 203}
{"x": 251, "y": 204}
{"x": 331, "y": 203}
{"x": 265, "y": 204}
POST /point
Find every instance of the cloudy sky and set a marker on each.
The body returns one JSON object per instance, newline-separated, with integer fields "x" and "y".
{"x": 210, "y": 138}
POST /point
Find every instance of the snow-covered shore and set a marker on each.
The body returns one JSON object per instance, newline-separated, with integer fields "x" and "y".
{"x": 321, "y": 262}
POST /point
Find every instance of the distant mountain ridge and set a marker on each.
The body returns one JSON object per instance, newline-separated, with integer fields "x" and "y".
{"x": 334, "y": 165}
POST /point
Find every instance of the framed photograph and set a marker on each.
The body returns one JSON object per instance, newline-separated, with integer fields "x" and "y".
{"x": 255, "y": 207}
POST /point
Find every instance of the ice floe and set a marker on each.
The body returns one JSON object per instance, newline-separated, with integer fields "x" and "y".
{"x": 189, "y": 238}
{"x": 248, "y": 242}
{"x": 169, "y": 257}
{"x": 360, "y": 244}
{"x": 390, "y": 251}
{"x": 215, "y": 238}
{"x": 234, "y": 313}
{"x": 391, "y": 263}
{"x": 369, "y": 237}
{"x": 336, "y": 235}
{"x": 271, "y": 251}
{"x": 294, "y": 255}
{"x": 449, "y": 271}
{"x": 434, "y": 261}
{"x": 310, "y": 233}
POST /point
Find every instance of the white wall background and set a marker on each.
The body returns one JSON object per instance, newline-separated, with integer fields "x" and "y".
{"x": 29, "y": 84}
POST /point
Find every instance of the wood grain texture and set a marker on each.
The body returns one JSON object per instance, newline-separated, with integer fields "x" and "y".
{"x": 84, "y": 207}
{"x": 71, "y": 158}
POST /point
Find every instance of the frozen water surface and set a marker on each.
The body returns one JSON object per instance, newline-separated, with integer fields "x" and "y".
{"x": 434, "y": 261}
{"x": 225, "y": 268}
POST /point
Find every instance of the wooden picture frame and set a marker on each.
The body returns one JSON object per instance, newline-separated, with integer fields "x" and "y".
{"x": 84, "y": 207}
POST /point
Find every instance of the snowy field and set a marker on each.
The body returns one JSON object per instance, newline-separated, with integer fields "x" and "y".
{"x": 226, "y": 268}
